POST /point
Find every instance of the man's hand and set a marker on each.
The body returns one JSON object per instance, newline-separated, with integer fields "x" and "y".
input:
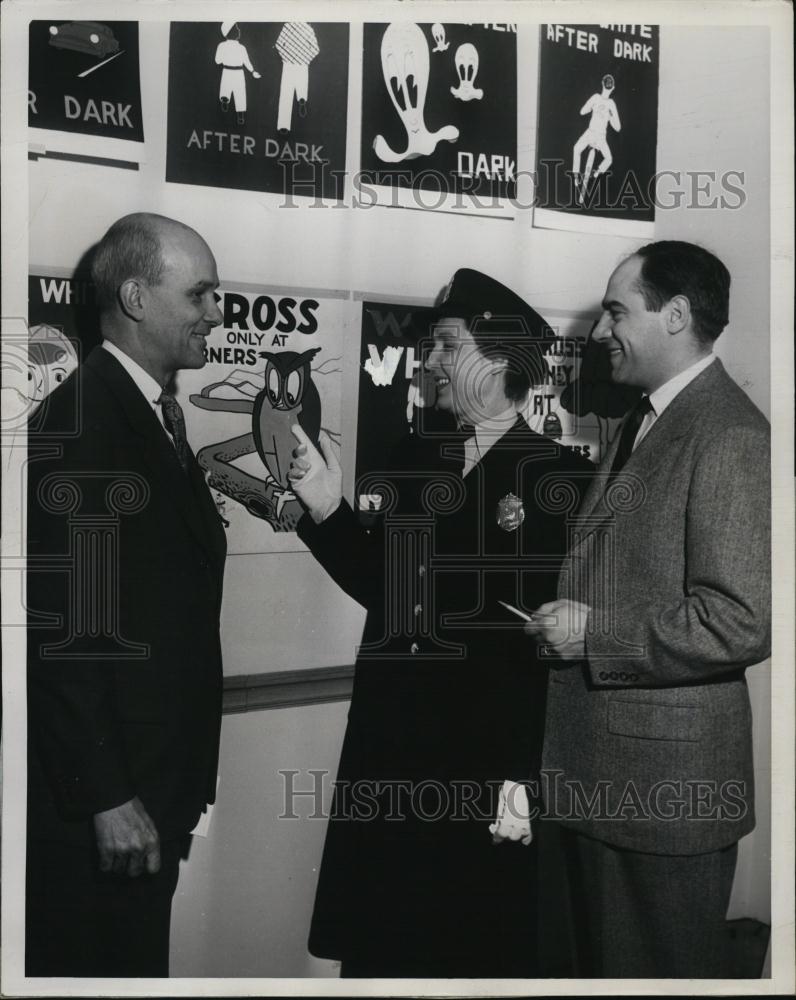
{"x": 560, "y": 627}
{"x": 513, "y": 821}
{"x": 127, "y": 840}
{"x": 315, "y": 478}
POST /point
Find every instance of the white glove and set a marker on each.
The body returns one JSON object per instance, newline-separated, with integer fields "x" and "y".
{"x": 513, "y": 816}
{"x": 315, "y": 478}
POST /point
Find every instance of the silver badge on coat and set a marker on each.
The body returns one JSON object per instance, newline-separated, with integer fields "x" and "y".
{"x": 510, "y": 512}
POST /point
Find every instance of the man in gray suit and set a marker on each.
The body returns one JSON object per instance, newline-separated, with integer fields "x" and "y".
{"x": 663, "y": 601}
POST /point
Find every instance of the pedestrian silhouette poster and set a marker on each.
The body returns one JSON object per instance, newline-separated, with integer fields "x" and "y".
{"x": 439, "y": 113}
{"x": 83, "y": 81}
{"x": 258, "y": 106}
{"x": 598, "y": 127}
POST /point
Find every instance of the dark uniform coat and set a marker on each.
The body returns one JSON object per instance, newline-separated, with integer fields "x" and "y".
{"x": 448, "y": 702}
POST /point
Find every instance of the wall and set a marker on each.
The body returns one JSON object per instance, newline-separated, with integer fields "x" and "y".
{"x": 245, "y": 895}
{"x": 244, "y": 900}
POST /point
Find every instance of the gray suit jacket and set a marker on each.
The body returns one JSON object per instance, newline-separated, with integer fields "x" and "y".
{"x": 648, "y": 744}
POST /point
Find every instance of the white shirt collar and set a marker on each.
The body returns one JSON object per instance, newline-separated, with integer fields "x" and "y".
{"x": 147, "y": 385}
{"x": 664, "y": 394}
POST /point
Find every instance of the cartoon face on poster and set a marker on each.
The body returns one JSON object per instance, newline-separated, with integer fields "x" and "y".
{"x": 31, "y": 372}
{"x": 439, "y": 109}
{"x": 276, "y": 361}
{"x": 258, "y": 106}
{"x": 84, "y": 78}
{"x": 62, "y": 328}
{"x": 577, "y": 405}
{"x": 52, "y": 357}
{"x": 598, "y": 128}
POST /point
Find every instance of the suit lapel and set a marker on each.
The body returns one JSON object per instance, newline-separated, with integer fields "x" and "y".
{"x": 214, "y": 535}
{"x": 596, "y": 488}
{"x": 158, "y": 452}
{"x": 673, "y": 424}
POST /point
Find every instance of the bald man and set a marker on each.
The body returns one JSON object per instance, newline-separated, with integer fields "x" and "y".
{"x": 126, "y": 555}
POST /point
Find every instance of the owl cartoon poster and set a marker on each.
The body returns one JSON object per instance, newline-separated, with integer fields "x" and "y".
{"x": 275, "y": 361}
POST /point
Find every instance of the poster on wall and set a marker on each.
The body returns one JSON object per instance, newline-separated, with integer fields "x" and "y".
{"x": 258, "y": 106}
{"x": 276, "y": 360}
{"x": 598, "y": 128}
{"x": 439, "y": 115}
{"x": 577, "y": 406}
{"x": 84, "y": 90}
{"x": 62, "y": 328}
{"x": 390, "y": 384}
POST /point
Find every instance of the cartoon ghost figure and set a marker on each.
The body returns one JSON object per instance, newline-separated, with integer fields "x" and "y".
{"x": 405, "y": 66}
{"x": 438, "y": 33}
{"x": 289, "y": 397}
{"x": 466, "y": 60}
{"x": 51, "y": 359}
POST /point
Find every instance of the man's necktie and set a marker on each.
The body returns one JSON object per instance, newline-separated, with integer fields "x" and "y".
{"x": 629, "y": 432}
{"x": 175, "y": 424}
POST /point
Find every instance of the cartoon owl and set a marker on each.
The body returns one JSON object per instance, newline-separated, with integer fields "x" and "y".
{"x": 289, "y": 397}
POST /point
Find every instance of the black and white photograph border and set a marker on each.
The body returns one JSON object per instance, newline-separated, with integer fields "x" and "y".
{"x": 242, "y": 909}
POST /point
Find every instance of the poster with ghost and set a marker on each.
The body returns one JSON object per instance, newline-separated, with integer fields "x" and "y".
{"x": 84, "y": 81}
{"x": 439, "y": 114}
{"x": 598, "y": 128}
{"x": 258, "y": 106}
{"x": 276, "y": 360}
{"x": 578, "y": 405}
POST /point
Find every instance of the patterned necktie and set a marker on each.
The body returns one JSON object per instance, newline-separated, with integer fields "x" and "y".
{"x": 175, "y": 424}
{"x": 629, "y": 432}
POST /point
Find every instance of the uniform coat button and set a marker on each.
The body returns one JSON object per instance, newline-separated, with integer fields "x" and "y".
{"x": 414, "y": 649}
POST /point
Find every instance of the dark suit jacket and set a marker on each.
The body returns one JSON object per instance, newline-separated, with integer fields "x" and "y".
{"x": 126, "y": 557}
{"x": 446, "y": 691}
{"x": 675, "y": 561}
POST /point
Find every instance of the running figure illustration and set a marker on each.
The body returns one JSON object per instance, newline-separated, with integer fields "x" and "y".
{"x": 603, "y": 112}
